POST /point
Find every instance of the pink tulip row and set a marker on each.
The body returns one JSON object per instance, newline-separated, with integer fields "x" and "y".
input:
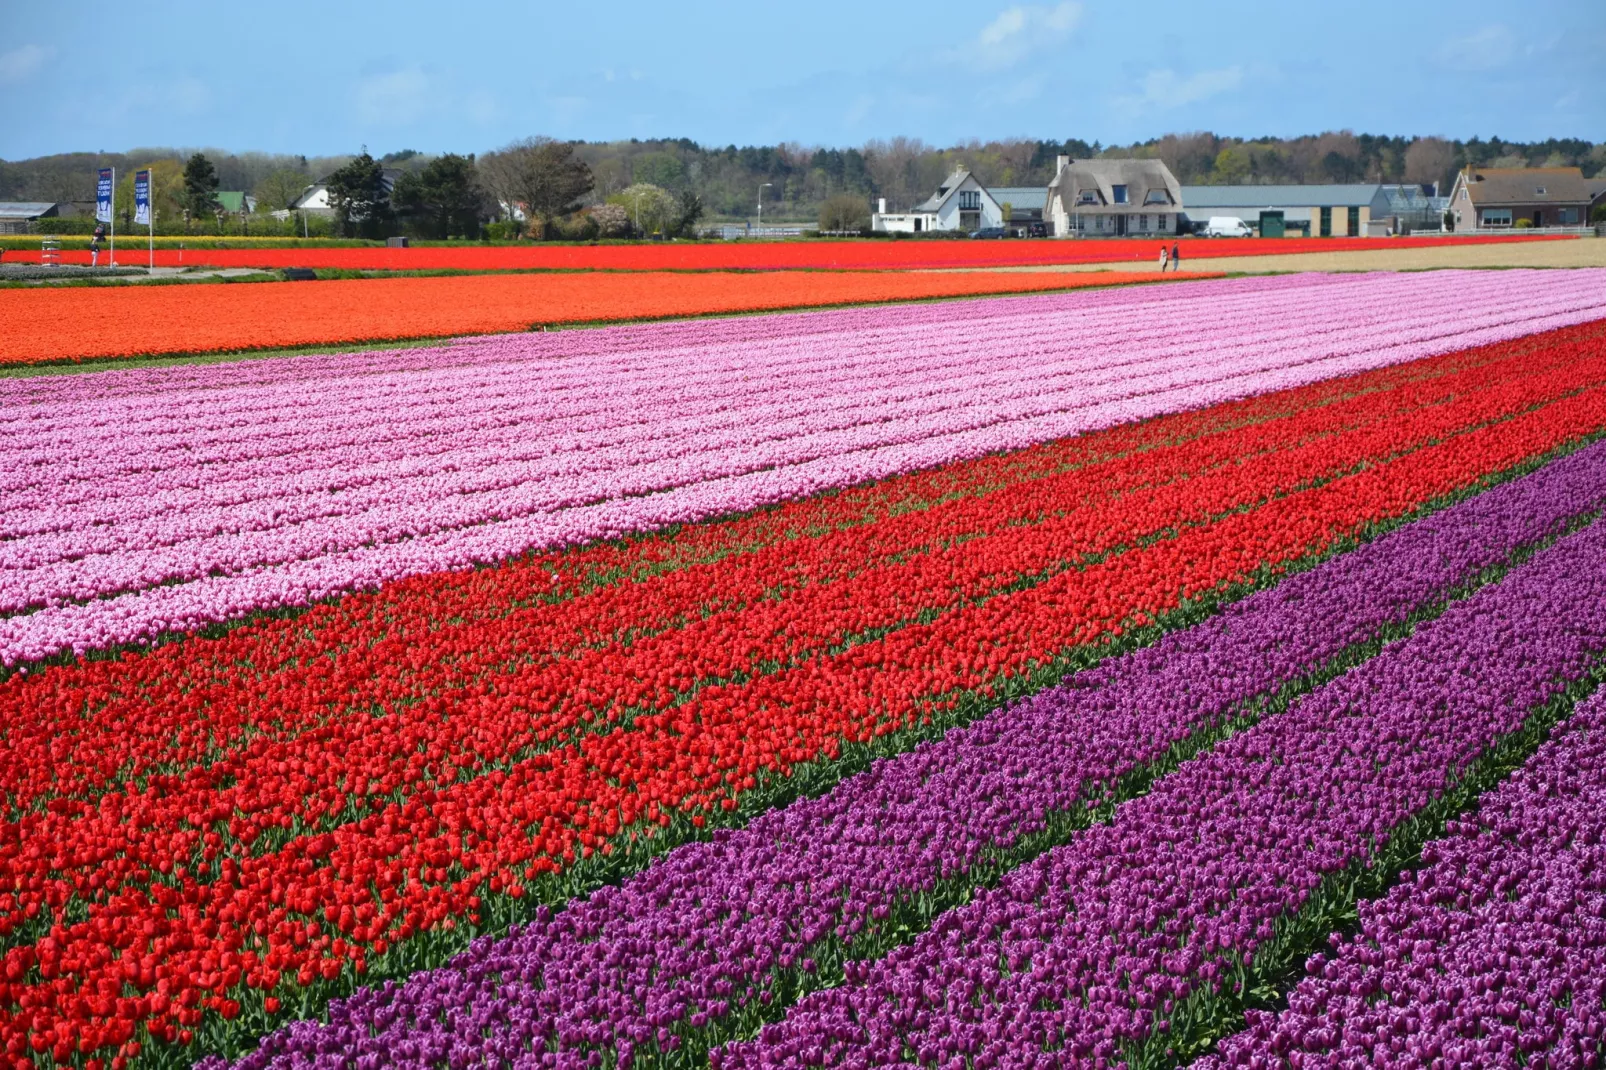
{"x": 158, "y": 500}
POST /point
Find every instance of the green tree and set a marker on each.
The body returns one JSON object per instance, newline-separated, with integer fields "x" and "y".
{"x": 443, "y": 199}
{"x": 845, "y": 211}
{"x": 690, "y": 211}
{"x": 279, "y": 189}
{"x": 1232, "y": 165}
{"x": 358, "y": 196}
{"x": 659, "y": 169}
{"x": 167, "y": 193}
{"x": 650, "y": 209}
{"x": 200, "y": 188}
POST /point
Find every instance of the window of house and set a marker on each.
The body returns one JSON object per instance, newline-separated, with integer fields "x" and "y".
{"x": 1088, "y": 196}
{"x": 1566, "y": 216}
{"x": 1157, "y": 196}
{"x": 1497, "y": 217}
{"x": 1120, "y": 194}
{"x": 1539, "y": 191}
{"x": 1464, "y": 194}
{"x": 969, "y": 199}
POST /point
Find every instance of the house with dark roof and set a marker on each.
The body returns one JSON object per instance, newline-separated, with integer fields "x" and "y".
{"x": 16, "y": 215}
{"x": 1498, "y": 198}
{"x": 960, "y": 203}
{"x": 1110, "y": 198}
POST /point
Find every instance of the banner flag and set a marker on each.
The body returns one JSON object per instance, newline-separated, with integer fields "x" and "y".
{"x": 103, "y": 196}
{"x": 142, "y": 197}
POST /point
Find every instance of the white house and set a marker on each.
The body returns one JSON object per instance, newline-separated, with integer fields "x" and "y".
{"x": 1110, "y": 198}
{"x": 960, "y": 203}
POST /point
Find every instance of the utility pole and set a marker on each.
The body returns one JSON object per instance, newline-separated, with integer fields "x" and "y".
{"x": 761, "y": 208}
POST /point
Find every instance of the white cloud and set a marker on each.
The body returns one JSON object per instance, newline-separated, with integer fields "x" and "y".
{"x": 396, "y": 98}
{"x": 1163, "y": 89}
{"x": 1020, "y": 30}
{"x": 23, "y": 63}
{"x": 1481, "y": 50}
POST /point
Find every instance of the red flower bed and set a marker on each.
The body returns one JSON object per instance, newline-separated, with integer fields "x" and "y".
{"x": 901, "y": 255}
{"x": 376, "y": 768}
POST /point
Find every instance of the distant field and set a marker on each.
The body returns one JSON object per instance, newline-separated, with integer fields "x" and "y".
{"x": 1381, "y": 254}
{"x": 88, "y": 323}
{"x": 763, "y": 256}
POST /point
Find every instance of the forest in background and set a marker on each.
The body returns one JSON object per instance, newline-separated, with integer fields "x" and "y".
{"x": 903, "y": 170}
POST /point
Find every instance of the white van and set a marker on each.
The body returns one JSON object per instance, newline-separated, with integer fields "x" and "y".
{"x": 1227, "y": 226}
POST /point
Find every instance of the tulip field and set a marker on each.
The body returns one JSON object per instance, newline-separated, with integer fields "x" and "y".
{"x": 755, "y": 256}
{"x": 1198, "y": 674}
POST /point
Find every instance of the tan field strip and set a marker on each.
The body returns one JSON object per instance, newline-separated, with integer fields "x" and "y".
{"x": 1582, "y": 252}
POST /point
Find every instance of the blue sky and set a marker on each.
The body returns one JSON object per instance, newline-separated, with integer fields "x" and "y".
{"x": 320, "y": 78}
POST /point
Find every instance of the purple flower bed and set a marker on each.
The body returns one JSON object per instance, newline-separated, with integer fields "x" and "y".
{"x": 713, "y": 936}
{"x": 1142, "y": 933}
{"x": 1494, "y": 953}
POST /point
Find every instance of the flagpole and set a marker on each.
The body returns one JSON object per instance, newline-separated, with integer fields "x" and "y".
{"x": 113, "y": 221}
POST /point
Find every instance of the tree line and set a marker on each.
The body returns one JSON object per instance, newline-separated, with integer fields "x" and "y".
{"x": 669, "y": 186}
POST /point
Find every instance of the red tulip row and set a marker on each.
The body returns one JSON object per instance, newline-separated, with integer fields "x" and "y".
{"x": 350, "y": 765}
{"x": 333, "y": 899}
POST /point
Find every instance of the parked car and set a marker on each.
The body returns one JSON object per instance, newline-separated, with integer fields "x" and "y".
{"x": 1227, "y": 226}
{"x": 1037, "y": 230}
{"x": 991, "y": 232}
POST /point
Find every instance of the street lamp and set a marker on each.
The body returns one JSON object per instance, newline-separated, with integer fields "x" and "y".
{"x": 761, "y": 207}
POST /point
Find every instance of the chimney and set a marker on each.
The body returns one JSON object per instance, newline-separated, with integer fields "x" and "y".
{"x": 1060, "y": 164}
{"x": 881, "y": 206}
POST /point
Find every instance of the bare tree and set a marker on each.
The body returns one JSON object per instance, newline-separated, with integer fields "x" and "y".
{"x": 1429, "y": 159}
{"x": 545, "y": 176}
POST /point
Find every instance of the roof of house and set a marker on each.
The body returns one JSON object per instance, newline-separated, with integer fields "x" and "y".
{"x": 1597, "y": 187}
{"x": 949, "y": 187}
{"x": 1024, "y": 197}
{"x": 25, "y": 209}
{"x": 1320, "y": 195}
{"x": 1522, "y": 185}
{"x": 1139, "y": 176}
{"x": 232, "y": 200}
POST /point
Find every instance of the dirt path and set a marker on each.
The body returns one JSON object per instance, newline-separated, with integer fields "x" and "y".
{"x": 1581, "y": 252}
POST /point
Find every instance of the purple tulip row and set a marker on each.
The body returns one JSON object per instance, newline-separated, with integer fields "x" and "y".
{"x": 236, "y": 488}
{"x": 719, "y": 935}
{"x": 1494, "y": 954}
{"x": 1139, "y": 934}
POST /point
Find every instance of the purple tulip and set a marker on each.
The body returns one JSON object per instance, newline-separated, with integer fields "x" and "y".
{"x": 1500, "y": 939}
{"x": 716, "y": 933}
{"x": 1093, "y": 949}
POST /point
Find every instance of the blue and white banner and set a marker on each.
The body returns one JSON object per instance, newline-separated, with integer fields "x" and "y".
{"x": 103, "y": 196}
{"x": 142, "y": 197}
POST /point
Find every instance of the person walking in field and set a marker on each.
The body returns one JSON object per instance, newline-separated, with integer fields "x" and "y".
{"x": 1162, "y": 258}
{"x": 94, "y": 244}
{"x": 1176, "y": 257}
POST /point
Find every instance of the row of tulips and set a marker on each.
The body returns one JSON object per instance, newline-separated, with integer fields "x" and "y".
{"x": 1493, "y": 954}
{"x": 1141, "y": 938}
{"x": 210, "y": 931}
{"x": 223, "y": 501}
{"x": 721, "y": 935}
{"x": 748, "y": 256}
{"x": 352, "y": 765}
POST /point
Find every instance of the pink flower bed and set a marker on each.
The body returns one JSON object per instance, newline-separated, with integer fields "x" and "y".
{"x": 145, "y": 501}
